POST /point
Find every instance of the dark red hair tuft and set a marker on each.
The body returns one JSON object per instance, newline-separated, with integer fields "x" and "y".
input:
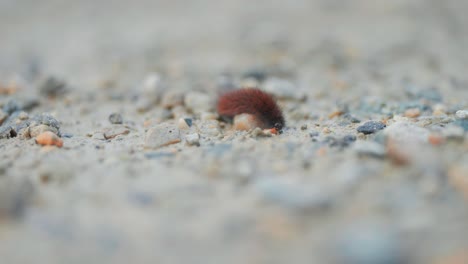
{"x": 252, "y": 101}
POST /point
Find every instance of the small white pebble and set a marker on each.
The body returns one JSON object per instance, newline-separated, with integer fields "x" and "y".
{"x": 193, "y": 139}
{"x": 462, "y": 114}
{"x": 182, "y": 124}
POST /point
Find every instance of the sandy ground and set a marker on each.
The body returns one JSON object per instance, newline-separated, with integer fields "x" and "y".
{"x": 159, "y": 189}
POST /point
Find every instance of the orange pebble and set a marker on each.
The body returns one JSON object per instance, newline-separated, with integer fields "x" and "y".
{"x": 435, "y": 139}
{"x": 413, "y": 112}
{"x": 48, "y": 138}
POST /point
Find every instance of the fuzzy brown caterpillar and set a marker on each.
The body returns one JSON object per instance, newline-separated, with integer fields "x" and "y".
{"x": 261, "y": 105}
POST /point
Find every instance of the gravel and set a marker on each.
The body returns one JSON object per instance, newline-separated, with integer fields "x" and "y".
{"x": 462, "y": 114}
{"x": 162, "y": 135}
{"x": 371, "y": 167}
{"x": 115, "y": 118}
{"x": 371, "y": 127}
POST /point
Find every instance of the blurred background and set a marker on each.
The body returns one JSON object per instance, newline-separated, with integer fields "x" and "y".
{"x": 365, "y": 56}
{"x": 89, "y": 41}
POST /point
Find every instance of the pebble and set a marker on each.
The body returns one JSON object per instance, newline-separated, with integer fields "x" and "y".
{"x": 412, "y": 112}
{"x": 371, "y": 127}
{"x": 462, "y": 114}
{"x": 370, "y": 243}
{"x": 48, "y": 138}
{"x": 283, "y": 89}
{"x": 116, "y": 130}
{"x": 39, "y": 129}
{"x": 52, "y": 87}
{"x": 439, "y": 110}
{"x": 7, "y": 132}
{"x": 193, "y": 139}
{"x": 198, "y": 102}
{"x": 152, "y": 85}
{"x": 184, "y": 123}
{"x": 115, "y": 118}
{"x": 210, "y": 128}
{"x": 162, "y": 135}
{"x": 407, "y": 132}
{"x": 293, "y": 196}
{"x": 98, "y": 136}
{"x": 369, "y": 148}
{"x": 45, "y": 119}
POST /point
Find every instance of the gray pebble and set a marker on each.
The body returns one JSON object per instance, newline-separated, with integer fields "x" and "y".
{"x": 162, "y": 135}
{"x": 115, "y": 118}
{"x": 371, "y": 127}
{"x": 45, "y": 119}
{"x": 37, "y": 130}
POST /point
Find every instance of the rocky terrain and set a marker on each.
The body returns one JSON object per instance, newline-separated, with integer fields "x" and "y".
{"x": 111, "y": 150}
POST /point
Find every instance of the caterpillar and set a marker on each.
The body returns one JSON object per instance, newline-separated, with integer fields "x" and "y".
{"x": 262, "y": 107}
